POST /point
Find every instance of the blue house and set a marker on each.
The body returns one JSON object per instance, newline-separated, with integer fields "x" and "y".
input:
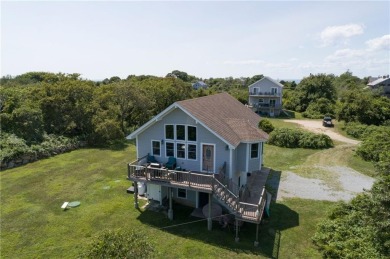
{"x": 199, "y": 84}
{"x": 265, "y": 97}
{"x": 200, "y": 150}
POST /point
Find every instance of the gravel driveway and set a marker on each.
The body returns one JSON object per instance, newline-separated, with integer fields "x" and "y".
{"x": 344, "y": 183}
{"x": 316, "y": 126}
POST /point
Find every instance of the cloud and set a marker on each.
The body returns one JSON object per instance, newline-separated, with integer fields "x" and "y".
{"x": 345, "y": 54}
{"x": 244, "y": 62}
{"x": 340, "y": 34}
{"x": 381, "y": 43}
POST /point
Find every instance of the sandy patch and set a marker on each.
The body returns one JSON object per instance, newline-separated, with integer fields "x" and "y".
{"x": 351, "y": 182}
{"x": 316, "y": 126}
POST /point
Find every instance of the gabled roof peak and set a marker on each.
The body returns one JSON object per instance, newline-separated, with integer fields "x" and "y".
{"x": 269, "y": 79}
{"x": 222, "y": 114}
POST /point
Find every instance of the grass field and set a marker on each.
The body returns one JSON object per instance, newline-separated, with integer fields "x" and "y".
{"x": 34, "y": 226}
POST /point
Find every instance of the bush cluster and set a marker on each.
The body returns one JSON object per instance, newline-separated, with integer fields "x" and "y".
{"x": 375, "y": 144}
{"x": 13, "y": 147}
{"x": 266, "y": 125}
{"x": 360, "y": 131}
{"x": 295, "y": 138}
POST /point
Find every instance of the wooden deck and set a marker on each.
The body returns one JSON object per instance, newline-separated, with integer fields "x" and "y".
{"x": 249, "y": 207}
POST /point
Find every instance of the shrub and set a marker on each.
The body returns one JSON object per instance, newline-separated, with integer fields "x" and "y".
{"x": 317, "y": 110}
{"x": 12, "y": 147}
{"x": 360, "y": 228}
{"x": 119, "y": 244}
{"x": 355, "y": 129}
{"x": 375, "y": 143}
{"x": 266, "y": 125}
{"x": 294, "y": 138}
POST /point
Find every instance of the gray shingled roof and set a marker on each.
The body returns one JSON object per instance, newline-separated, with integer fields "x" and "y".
{"x": 227, "y": 117}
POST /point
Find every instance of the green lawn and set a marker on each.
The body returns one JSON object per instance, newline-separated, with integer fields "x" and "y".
{"x": 34, "y": 226}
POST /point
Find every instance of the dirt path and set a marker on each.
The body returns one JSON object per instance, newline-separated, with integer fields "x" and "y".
{"x": 316, "y": 126}
{"x": 324, "y": 175}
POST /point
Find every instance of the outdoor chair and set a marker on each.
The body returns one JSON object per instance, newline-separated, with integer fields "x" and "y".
{"x": 151, "y": 159}
{"x": 171, "y": 164}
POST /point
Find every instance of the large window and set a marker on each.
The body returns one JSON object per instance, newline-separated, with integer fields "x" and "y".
{"x": 180, "y": 142}
{"x": 191, "y": 133}
{"x": 181, "y": 150}
{"x": 255, "y": 150}
{"x": 191, "y": 152}
{"x": 170, "y": 149}
{"x": 169, "y": 133}
{"x": 156, "y": 148}
{"x": 180, "y": 132}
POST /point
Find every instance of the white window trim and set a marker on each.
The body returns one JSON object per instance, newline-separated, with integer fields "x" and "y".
{"x": 258, "y": 149}
{"x": 177, "y": 193}
{"x": 184, "y": 142}
{"x": 151, "y": 146}
{"x": 196, "y": 151}
{"x": 174, "y": 149}
{"x": 165, "y": 132}
{"x": 185, "y": 132}
{"x": 177, "y": 150}
{"x": 275, "y": 91}
{"x": 196, "y": 128}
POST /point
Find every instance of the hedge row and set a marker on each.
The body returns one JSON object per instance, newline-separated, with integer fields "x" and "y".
{"x": 295, "y": 138}
{"x": 14, "y": 151}
{"x": 360, "y": 131}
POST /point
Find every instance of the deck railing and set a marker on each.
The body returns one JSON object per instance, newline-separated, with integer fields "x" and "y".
{"x": 180, "y": 178}
{"x": 247, "y": 211}
{"x": 253, "y": 211}
{"x": 264, "y": 94}
{"x": 224, "y": 194}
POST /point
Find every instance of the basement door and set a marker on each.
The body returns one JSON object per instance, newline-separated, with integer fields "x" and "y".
{"x": 207, "y": 158}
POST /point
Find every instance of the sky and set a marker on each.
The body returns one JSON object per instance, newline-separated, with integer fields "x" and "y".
{"x": 280, "y": 39}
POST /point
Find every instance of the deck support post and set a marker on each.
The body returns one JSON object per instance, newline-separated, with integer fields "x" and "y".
{"x": 237, "y": 239}
{"x": 257, "y": 236}
{"x": 136, "y": 195}
{"x": 209, "y": 220}
{"x": 170, "y": 210}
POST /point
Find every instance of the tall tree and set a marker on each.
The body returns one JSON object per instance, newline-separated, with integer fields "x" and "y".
{"x": 312, "y": 88}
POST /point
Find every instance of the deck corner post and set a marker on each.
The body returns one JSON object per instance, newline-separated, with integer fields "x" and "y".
{"x": 209, "y": 220}
{"x": 237, "y": 239}
{"x": 136, "y": 195}
{"x": 170, "y": 210}
{"x": 256, "y": 243}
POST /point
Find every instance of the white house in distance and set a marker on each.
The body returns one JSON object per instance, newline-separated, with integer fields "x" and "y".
{"x": 199, "y": 150}
{"x": 265, "y": 97}
{"x": 380, "y": 82}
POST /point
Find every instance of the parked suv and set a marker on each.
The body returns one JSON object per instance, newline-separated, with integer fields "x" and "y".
{"x": 327, "y": 122}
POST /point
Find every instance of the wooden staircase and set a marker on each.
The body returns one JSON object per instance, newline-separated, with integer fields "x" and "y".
{"x": 243, "y": 211}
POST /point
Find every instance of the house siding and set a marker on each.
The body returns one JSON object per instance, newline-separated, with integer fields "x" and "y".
{"x": 204, "y": 136}
{"x": 189, "y": 201}
{"x": 264, "y": 89}
{"x": 264, "y": 86}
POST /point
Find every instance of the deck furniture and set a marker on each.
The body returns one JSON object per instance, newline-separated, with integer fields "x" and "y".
{"x": 171, "y": 164}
